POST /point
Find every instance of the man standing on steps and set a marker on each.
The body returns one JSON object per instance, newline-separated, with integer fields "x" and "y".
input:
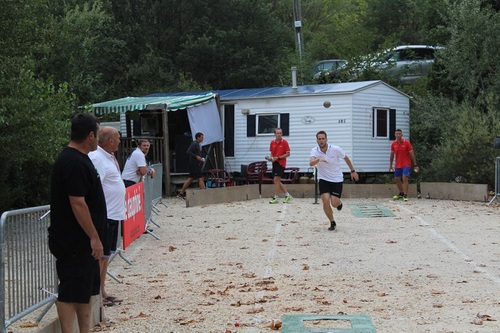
{"x": 403, "y": 151}
{"x": 195, "y": 165}
{"x": 326, "y": 158}
{"x": 280, "y": 150}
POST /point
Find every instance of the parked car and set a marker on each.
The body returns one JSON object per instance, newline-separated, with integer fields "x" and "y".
{"x": 408, "y": 61}
{"x": 328, "y": 66}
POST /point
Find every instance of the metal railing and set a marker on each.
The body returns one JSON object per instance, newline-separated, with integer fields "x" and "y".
{"x": 28, "y": 278}
{"x": 153, "y": 196}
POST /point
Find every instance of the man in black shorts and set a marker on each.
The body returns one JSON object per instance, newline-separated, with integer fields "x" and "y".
{"x": 78, "y": 213}
{"x": 280, "y": 150}
{"x": 195, "y": 165}
{"x": 114, "y": 191}
{"x": 326, "y": 158}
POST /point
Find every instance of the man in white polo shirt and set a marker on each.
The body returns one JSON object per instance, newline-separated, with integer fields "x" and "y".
{"x": 136, "y": 166}
{"x": 114, "y": 192}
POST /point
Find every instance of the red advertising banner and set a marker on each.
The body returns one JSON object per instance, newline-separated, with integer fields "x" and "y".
{"x": 135, "y": 222}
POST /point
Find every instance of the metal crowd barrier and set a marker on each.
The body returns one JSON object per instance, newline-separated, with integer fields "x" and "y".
{"x": 497, "y": 181}
{"x": 119, "y": 252}
{"x": 28, "y": 278}
{"x": 153, "y": 196}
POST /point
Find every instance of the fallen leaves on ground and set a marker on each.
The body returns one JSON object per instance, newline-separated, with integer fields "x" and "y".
{"x": 275, "y": 325}
{"x": 437, "y": 292}
{"x": 257, "y": 309}
{"x": 485, "y": 317}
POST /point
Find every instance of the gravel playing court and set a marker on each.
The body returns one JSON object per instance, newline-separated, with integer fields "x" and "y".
{"x": 419, "y": 266}
{"x": 434, "y": 266}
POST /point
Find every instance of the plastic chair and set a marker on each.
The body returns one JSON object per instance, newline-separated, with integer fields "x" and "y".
{"x": 219, "y": 178}
{"x": 291, "y": 176}
{"x": 255, "y": 172}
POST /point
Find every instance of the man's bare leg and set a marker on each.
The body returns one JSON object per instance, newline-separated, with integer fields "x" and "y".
{"x": 66, "y": 313}
{"x": 335, "y": 201}
{"x": 186, "y": 185}
{"x": 201, "y": 183}
{"x": 277, "y": 183}
{"x": 406, "y": 185}
{"x": 399, "y": 184}
{"x": 282, "y": 187}
{"x": 104, "y": 262}
{"x": 83, "y": 316}
{"x": 327, "y": 208}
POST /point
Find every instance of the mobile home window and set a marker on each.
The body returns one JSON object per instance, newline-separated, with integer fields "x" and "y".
{"x": 267, "y": 123}
{"x": 381, "y": 123}
{"x": 384, "y": 123}
{"x": 262, "y": 124}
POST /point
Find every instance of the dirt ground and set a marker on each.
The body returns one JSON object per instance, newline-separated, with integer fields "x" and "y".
{"x": 432, "y": 267}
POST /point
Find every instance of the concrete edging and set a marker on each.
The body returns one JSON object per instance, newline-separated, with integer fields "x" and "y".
{"x": 448, "y": 191}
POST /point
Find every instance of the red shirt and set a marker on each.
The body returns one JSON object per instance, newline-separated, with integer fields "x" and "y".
{"x": 402, "y": 153}
{"x": 279, "y": 149}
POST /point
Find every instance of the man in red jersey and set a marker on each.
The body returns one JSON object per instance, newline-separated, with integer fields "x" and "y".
{"x": 280, "y": 150}
{"x": 403, "y": 151}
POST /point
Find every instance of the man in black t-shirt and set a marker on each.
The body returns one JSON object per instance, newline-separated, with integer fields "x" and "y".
{"x": 78, "y": 213}
{"x": 195, "y": 165}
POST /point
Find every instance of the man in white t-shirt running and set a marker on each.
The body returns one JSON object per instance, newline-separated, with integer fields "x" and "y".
{"x": 327, "y": 159}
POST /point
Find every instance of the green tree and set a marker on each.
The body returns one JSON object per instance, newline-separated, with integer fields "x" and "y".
{"x": 468, "y": 69}
{"x": 34, "y": 119}
{"x": 33, "y": 111}
{"x": 217, "y": 44}
{"x": 335, "y": 29}
{"x": 84, "y": 52}
{"x": 460, "y": 114}
{"x": 454, "y": 140}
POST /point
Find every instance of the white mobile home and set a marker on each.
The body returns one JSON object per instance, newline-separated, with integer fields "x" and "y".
{"x": 361, "y": 117}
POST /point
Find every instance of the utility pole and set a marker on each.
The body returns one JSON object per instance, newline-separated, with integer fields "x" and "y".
{"x": 297, "y": 16}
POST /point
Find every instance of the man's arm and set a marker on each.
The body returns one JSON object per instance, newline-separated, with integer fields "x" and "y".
{"x": 391, "y": 159}
{"x": 82, "y": 214}
{"x": 315, "y": 160}
{"x": 142, "y": 170}
{"x": 281, "y": 157}
{"x": 191, "y": 151}
{"x": 354, "y": 174}
{"x": 414, "y": 159}
{"x": 142, "y": 164}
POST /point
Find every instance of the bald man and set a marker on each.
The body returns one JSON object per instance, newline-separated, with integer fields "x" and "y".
{"x": 114, "y": 192}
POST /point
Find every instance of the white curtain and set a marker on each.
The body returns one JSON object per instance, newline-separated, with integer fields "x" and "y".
{"x": 205, "y": 119}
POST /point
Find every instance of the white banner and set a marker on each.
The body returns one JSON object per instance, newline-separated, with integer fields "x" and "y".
{"x": 205, "y": 119}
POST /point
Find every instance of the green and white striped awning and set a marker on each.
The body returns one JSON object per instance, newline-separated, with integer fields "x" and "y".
{"x": 170, "y": 103}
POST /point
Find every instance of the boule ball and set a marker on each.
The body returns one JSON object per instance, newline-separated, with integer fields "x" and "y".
{"x": 327, "y": 104}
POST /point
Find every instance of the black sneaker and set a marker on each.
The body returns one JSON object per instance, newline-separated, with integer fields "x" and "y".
{"x": 339, "y": 207}
{"x": 333, "y": 225}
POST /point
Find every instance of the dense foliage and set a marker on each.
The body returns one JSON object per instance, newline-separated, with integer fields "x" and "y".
{"x": 56, "y": 55}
